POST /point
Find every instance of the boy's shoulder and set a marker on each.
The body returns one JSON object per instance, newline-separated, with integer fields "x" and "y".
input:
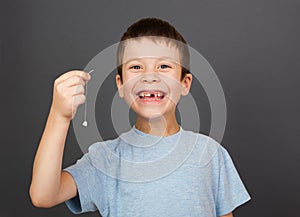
{"x": 207, "y": 149}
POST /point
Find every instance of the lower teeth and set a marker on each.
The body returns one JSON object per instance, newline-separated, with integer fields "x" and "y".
{"x": 156, "y": 99}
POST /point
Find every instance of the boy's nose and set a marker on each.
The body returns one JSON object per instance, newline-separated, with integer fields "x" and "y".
{"x": 150, "y": 77}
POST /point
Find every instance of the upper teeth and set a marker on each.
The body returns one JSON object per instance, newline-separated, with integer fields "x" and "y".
{"x": 156, "y": 94}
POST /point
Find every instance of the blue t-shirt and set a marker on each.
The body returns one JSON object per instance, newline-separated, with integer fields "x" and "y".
{"x": 138, "y": 174}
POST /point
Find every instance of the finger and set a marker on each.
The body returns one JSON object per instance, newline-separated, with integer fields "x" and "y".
{"x": 77, "y": 90}
{"x": 86, "y": 76}
{"x": 73, "y": 81}
{"x": 78, "y": 100}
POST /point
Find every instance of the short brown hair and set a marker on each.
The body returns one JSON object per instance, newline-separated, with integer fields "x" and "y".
{"x": 155, "y": 27}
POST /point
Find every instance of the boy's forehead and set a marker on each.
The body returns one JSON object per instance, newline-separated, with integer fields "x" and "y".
{"x": 146, "y": 47}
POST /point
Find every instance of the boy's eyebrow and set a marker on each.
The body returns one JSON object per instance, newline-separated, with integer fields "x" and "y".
{"x": 158, "y": 58}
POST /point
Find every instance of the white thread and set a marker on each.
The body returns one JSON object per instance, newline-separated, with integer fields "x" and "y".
{"x": 85, "y": 123}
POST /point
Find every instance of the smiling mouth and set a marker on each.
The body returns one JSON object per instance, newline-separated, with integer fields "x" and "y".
{"x": 153, "y": 95}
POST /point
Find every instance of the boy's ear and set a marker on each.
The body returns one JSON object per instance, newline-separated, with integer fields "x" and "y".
{"x": 119, "y": 85}
{"x": 186, "y": 84}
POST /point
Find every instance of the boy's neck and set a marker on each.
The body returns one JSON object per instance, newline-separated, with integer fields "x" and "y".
{"x": 158, "y": 126}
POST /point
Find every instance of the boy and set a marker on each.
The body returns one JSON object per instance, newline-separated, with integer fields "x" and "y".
{"x": 132, "y": 175}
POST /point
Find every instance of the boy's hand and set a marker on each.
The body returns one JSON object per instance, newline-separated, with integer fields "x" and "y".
{"x": 68, "y": 93}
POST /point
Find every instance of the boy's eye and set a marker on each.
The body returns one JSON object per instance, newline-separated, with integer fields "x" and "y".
{"x": 136, "y": 67}
{"x": 164, "y": 66}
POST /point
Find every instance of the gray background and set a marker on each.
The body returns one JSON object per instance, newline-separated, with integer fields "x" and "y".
{"x": 252, "y": 45}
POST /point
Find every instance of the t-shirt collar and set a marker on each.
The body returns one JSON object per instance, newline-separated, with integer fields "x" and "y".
{"x": 138, "y": 138}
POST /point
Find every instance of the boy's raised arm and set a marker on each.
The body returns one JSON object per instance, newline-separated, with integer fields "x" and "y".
{"x": 50, "y": 186}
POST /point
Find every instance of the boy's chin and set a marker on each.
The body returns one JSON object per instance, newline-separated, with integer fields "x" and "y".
{"x": 150, "y": 116}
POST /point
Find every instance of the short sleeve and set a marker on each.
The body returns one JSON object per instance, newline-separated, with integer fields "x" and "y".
{"x": 231, "y": 190}
{"x": 82, "y": 172}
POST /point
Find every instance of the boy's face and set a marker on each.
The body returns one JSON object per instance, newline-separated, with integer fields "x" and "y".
{"x": 151, "y": 77}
